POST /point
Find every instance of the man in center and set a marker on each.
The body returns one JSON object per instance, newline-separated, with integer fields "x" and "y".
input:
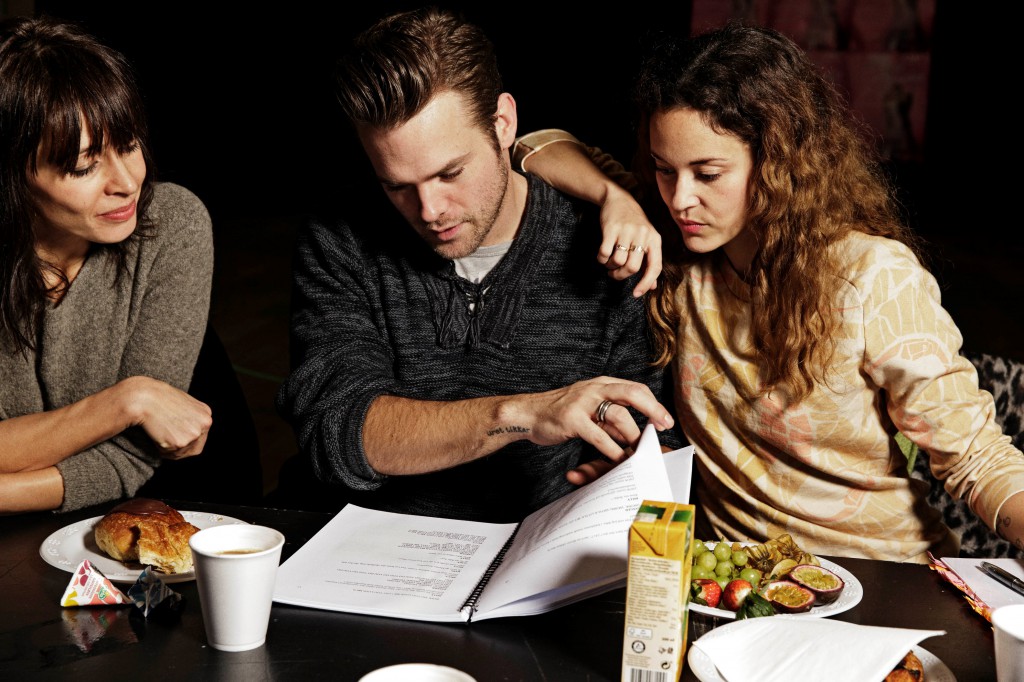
{"x": 484, "y": 363}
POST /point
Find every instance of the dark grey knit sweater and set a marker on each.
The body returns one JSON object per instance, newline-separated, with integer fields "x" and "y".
{"x": 151, "y": 323}
{"x": 376, "y": 312}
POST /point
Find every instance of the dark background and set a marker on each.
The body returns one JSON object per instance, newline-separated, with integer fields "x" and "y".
{"x": 242, "y": 113}
{"x": 241, "y": 106}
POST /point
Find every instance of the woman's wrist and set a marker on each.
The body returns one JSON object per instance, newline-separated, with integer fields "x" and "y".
{"x": 129, "y": 399}
{"x": 529, "y": 144}
{"x": 31, "y": 491}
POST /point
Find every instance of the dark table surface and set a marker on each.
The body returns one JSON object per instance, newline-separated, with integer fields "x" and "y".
{"x": 39, "y": 639}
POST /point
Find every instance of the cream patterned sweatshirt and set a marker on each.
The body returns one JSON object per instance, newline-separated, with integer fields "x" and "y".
{"x": 828, "y": 471}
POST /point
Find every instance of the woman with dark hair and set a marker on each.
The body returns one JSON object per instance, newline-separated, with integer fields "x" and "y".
{"x": 802, "y": 330}
{"x": 105, "y": 279}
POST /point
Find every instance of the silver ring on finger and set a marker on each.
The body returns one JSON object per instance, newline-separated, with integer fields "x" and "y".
{"x": 620, "y": 247}
{"x": 637, "y": 247}
{"x": 602, "y": 409}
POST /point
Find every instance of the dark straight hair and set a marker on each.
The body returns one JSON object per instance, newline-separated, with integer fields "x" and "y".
{"x": 53, "y": 78}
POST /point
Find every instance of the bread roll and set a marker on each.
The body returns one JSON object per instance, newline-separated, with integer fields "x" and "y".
{"x": 149, "y": 532}
{"x": 910, "y": 669}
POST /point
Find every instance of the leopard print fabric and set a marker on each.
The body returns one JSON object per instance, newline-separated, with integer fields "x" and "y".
{"x": 1004, "y": 379}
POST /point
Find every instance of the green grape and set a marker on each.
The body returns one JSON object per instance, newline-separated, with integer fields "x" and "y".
{"x": 723, "y": 582}
{"x": 739, "y": 557}
{"x": 723, "y": 551}
{"x": 724, "y": 569}
{"x": 751, "y": 575}
{"x": 699, "y": 548}
{"x": 707, "y": 560}
{"x": 698, "y": 572}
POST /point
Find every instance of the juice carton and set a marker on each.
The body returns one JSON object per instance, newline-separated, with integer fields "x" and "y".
{"x": 657, "y": 592}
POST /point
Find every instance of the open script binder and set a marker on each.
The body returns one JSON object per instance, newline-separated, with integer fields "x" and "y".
{"x": 445, "y": 570}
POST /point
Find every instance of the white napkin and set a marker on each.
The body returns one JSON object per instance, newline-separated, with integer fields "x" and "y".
{"x": 797, "y": 648}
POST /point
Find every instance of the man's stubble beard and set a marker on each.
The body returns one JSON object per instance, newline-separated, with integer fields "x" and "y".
{"x": 481, "y": 226}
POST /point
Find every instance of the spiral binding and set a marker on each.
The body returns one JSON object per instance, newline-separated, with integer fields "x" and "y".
{"x": 468, "y": 607}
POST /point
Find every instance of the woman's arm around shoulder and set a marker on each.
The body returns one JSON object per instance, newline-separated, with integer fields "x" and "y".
{"x": 589, "y": 174}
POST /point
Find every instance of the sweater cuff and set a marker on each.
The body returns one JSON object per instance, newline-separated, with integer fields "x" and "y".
{"x": 529, "y": 144}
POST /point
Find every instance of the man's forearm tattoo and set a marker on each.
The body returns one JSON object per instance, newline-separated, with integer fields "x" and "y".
{"x": 508, "y": 429}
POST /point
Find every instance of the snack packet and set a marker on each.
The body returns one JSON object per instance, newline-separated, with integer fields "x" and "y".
{"x": 89, "y": 587}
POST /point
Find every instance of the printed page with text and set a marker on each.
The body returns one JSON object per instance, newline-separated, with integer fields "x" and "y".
{"x": 425, "y": 568}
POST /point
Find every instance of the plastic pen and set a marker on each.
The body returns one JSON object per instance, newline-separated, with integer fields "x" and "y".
{"x": 1006, "y": 578}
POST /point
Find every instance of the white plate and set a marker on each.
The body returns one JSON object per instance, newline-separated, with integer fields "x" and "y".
{"x": 848, "y": 598}
{"x": 72, "y": 544}
{"x": 701, "y": 665}
{"x": 427, "y": 672}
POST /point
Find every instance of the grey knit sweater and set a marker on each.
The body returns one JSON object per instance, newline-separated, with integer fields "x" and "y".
{"x": 376, "y": 312}
{"x": 151, "y": 323}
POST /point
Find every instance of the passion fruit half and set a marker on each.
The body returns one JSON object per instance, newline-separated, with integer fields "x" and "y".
{"x": 825, "y": 584}
{"x": 788, "y": 597}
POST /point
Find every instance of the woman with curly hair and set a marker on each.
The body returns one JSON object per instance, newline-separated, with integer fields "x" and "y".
{"x": 802, "y": 330}
{"x": 105, "y": 279}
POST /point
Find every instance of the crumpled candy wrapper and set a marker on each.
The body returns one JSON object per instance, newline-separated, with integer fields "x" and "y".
{"x": 149, "y": 592}
{"x": 89, "y": 587}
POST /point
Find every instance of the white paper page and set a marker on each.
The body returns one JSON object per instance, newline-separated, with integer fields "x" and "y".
{"x": 679, "y": 465}
{"x": 991, "y": 591}
{"x": 385, "y": 564}
{"x": 580, "y": 539}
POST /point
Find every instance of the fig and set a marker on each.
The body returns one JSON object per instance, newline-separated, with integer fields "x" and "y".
{"x": 788, "y": 597}
{"x": 826, "y": 585}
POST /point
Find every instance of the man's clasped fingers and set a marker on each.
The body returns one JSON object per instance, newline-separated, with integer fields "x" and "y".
{"x": 617, "y": 422}
{"x": 610, "y": 427}
{"x": 616, "y": 395}
{"x": 596, "y": 411}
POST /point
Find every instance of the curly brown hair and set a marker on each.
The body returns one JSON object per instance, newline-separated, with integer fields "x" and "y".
{"x": 815, "y": 179}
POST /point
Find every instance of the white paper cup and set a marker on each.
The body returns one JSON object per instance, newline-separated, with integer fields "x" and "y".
{"x": 416, "y": 672}
{"x": 1008, "y": 622}
{"x": 236, "y": 566}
